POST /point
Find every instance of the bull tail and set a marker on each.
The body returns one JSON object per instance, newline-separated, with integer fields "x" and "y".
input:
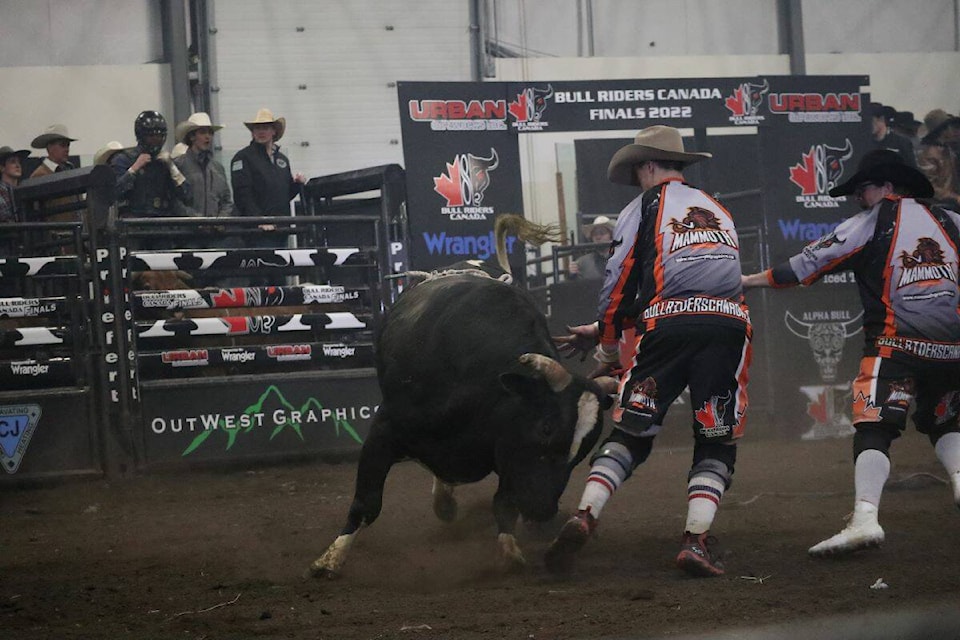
{"x": 511, "y": 223}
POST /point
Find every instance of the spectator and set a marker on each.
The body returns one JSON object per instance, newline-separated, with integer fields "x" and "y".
{"x": 56, "y": 140}
{"x": 674, "y": 276}
{"x": 904, "y": 124}
{"x": 10, "y": 174}
{"x": 207, "y": 178}
{"x": 106, "y": 152}
{"x": 903, "y": 253}
{"x": 263, "y": 184}
{"x": 938, "y": 162}
{"x": 148, "y": 181}
{"x": 885, "y": 138}
{"x": 591, "y": 266}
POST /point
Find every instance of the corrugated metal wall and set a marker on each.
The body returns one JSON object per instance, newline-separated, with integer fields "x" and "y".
{"x": 330, "y": 69}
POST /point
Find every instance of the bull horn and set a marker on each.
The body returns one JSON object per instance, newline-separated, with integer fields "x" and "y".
{"x": 848, "y": 327}
{"x": 552, "y": 371}
{"x": 797, "y": 327}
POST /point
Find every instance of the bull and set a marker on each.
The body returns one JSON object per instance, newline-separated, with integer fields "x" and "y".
{"x": 471, "y": 385}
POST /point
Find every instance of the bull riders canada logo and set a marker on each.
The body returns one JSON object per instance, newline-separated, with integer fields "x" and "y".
{"x": 527, "y": 110}
{"x": 925, "y": 264}
{"x": 464, "y": 184}
{"x": 699, "y": 226}
{"x": 820, "y": 170}
{"x": 745, "y": 103}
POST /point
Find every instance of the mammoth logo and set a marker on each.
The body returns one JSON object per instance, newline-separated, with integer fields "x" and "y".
{"x": 823, "y": 243}
{"x": 699, "y": 226}
{"x": 468, "y": 176}
{"x": 530, "y": 104}
{"x": 644, "y": 394}
{"x": 821, "y": 168}
{"x": 826, "y": 340}
{"x": 747, "y": 99}
{"x": 925, "y": 264}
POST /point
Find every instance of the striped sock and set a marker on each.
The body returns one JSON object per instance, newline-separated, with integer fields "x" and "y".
{"x": 703, "y": 498}
{"x": 602, "y": 483}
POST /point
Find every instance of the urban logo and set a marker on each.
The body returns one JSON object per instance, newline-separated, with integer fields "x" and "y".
{"x": 458, "y": 115}
{"x": 464, "y": 184}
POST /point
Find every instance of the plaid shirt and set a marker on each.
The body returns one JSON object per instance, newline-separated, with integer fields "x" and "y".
{"x": 8, "y": 212}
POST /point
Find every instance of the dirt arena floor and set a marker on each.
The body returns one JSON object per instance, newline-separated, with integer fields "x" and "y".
{"x": 222, "y": 554}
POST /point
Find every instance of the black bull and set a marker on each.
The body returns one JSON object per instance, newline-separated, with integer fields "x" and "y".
{"x": 471, "y": 385}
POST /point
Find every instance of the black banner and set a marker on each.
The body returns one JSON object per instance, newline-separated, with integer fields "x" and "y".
{"x": 213, "y": 298}
{"x": 259, "y": 419}
{"x": 36, "y": 374}
{"x": 253, "y": 358}
{"x": 32, "y": 307}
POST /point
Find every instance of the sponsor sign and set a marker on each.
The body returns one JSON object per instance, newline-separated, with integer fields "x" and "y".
{"x": 17, "y": 425}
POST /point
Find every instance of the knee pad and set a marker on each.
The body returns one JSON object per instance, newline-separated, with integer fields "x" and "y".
{"x": 628, "y": 451}
{"x": 876, "y": 437}
{"x": 718, "y": 460}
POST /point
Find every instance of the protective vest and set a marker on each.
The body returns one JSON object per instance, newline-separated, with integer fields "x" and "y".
{"x": 675, "y": 259}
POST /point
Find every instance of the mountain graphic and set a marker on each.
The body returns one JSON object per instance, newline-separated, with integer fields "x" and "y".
{"x": 257, "y": 407}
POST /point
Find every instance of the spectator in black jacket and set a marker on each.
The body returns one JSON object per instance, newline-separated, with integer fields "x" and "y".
{"x": 885, "y": 138}
{"x": 263, "y": 184}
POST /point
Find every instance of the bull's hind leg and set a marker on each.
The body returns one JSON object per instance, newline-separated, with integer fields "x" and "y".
{"x": 444, "y": 504}
{"x": 376, "y": 458}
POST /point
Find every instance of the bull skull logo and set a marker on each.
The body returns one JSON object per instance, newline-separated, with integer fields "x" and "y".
{"x": 826, "y": 340}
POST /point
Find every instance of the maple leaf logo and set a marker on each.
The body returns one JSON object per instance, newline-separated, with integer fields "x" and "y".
{"x": 707, "y": 416}
{"x": 804, "y": 175}
{"x": 818, "y": 408}
{"x": 737, "y": 103}
{"x": 448, "y": 185}
{"x": 519, "y": 107}
{"x": 229, "y": 298}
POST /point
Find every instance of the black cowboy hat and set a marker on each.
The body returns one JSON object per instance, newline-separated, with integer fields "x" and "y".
{"x": 883, "y": 165}
{"x": 6, "y": 152}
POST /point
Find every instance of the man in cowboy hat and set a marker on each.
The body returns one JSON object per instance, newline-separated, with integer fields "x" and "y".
{"x": 263, "y": 183}
{"x": 211, "y": 192}
{"x": 903, "y": 252}
{"x": 10, "y": 174}
{"x": 591, "y": 266}
{"x": 673, "y": 276}
{"x": 56, "y": 140}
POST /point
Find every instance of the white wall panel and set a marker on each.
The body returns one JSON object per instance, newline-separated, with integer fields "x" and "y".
{"x": 877, "y": 26}
{"x": 347, "y": 55}
{"x": 79, "y": 32}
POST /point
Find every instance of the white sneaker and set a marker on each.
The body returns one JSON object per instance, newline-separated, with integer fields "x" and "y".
{"x": 863, "y": 532}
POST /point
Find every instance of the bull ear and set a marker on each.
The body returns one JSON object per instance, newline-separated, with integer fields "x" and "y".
{"x": 523, "y": 384}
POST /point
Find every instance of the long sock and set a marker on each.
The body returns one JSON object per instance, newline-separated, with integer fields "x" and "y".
{"x": 948, "y": 452}
{"x": 605, "y": 478}
{"x": 870, "y": 473}
{"x": 703, "y": 499}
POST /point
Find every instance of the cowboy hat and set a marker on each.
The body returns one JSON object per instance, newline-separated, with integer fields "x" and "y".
{"x": 196, "y": 121}
{"x": 107, "y": 151}
{"x": 6, "y": 152}
{"x": 51, "y": 134}
{"x": 653, "y": 143}
{"x": 598, "y": 222}
{"x": 937, "y": 121}
{"x": 265, "y": 116}
{"x": 883, "y": 165}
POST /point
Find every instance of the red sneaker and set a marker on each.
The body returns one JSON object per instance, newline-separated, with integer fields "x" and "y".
{"x": 695, "y": 556}
{"x": 573, "y": 535}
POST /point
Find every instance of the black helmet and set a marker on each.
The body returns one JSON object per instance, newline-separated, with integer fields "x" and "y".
{"x": 150, "y": 123}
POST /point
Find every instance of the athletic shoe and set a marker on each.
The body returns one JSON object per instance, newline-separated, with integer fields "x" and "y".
{"x": 695, "y": 556}
{"x": 573, "y": 535}
{"x": 862, "y": 533}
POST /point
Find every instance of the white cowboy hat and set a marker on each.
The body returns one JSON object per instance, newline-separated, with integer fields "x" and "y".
{"x": 51, "y": 134}
{"x": 599, "y": 221}
{"x": 107, "y": 151}
{"x": 658, "y": 142}
{"x": 265, "y": 116}
{"x": 196, "y": 121}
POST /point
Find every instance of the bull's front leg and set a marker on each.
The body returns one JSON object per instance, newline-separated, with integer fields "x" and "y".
{"x": 506, "y": 513}
{"x": 376, "y": 458}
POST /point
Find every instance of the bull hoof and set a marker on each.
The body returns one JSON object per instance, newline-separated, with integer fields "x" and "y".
{"x": 511, "y": 558}
{"x": 321, "y": 573}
